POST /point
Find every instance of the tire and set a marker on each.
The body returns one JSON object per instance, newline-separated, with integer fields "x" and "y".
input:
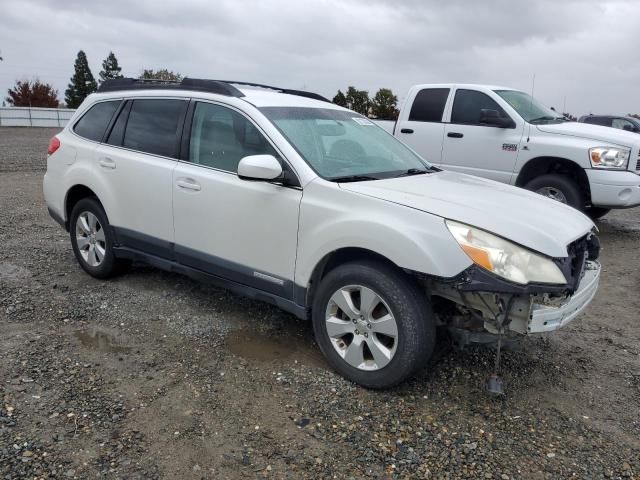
{"x": 596, "y": 212}
{"x": 567, "y": 190}
{"x": 92, "y": 240}
{"x": 398, "y": 296}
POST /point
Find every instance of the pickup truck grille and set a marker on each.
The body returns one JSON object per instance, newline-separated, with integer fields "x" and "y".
{"x": 638, "y": 163}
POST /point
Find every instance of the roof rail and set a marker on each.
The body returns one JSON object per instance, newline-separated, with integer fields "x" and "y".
{"x": 300, "y": 93}
{"x": 222, "y": 87}
{"x": 201, "y": 85}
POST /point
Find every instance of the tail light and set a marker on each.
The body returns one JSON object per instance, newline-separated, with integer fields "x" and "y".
{"x": 54, "y": 144}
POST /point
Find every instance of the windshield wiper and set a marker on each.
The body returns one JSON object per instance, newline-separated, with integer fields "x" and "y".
{"x": 353, "y": 178}
{"x": 414, "y": 171}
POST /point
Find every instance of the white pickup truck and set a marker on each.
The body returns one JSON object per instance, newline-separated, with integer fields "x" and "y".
{"x": 506, "y": 135}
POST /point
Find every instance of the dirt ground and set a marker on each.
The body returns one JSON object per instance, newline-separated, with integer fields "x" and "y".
{"x": 152, "y": 375}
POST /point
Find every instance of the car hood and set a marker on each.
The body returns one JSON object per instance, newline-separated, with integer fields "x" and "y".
{"x": 607, "y": 135}
{"x": 526, "y": 218}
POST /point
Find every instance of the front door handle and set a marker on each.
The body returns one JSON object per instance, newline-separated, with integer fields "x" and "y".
{"x": 188, "y": 184}
{"x": 106, "y": 162}
{"x": 406, "y": 130}
{"x": 455, "y": 135}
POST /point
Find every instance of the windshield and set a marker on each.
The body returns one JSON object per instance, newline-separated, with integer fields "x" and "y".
{"x": 339, "y": 144}
{"x": 530, "y": 109}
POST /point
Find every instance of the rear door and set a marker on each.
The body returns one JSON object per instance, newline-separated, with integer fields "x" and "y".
{"x": 138, "y": 159}
{"x": 242, "y": 230}
{"x": 421, "y": 127}
{"x": 475, "y": 148}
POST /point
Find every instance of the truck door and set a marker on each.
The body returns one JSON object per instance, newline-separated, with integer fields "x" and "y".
{"x": 420, "y": 124}
{"x": 475, "y": 146}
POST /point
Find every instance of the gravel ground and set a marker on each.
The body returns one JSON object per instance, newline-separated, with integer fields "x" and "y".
{"x": 152, "y": 375}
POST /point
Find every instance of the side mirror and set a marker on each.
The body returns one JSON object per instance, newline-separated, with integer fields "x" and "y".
{"x": 259, "y": 167}
{"x": 493, "y": 118}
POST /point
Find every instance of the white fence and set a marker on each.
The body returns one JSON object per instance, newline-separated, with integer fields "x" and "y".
{"x": 34, "y": 117}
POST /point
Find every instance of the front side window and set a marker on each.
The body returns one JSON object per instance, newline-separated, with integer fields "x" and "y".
{"x": 339, "y": 144}
{"x": 530, "y": 109}
{"x": 221, "y": 137}
{"x": 429, "y": 105}
{"x": 152, "y": 126}
{"x": 94, "y": 123}
{"x": 623, "y": 124}
{"x": 468, "y": 106}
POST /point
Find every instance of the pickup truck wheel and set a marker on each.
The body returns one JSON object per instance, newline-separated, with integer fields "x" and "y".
{"x": 558, "y": 187}
{"x": 92, "y": 240}
{"x": 596, "y": 212}
{"x": 372, "y": 323}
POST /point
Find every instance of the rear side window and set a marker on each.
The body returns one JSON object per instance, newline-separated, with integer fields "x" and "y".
{"x": 221, "y": 137}
{"x": 429, "y": 105}
{"x": 604, "y": 121}
{"x": 152, "y": 126}
{"x": 93, "y": 124}
{"x": 468, "y": 105}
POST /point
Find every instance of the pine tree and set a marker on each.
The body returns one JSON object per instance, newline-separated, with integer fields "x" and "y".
{"x": 340, "y": 99}
{"x": 110, "y": 68}
{"x": 82, "y": 83}
{"x": 384, "y": 103}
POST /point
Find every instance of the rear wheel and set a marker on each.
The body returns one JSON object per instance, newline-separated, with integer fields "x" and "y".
{"x": 372, "y": 323}
{"x": 560, "y": 188}
{"x": 92, "y": 240}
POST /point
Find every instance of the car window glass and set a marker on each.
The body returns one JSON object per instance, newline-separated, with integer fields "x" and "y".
{"x": 117, "y": 131}
{"x": 468, "y": 104}
{"x": 93, "y": 124}
{"x": 604, "y": 121}
{"x": 152, "y": 126}
{"x": 221, "y": 137}
{"x": 622, "y": 124}
{"x": 429, "y": 105}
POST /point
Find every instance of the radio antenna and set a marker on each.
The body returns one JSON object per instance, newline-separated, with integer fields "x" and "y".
{"x": 533, "y": 84}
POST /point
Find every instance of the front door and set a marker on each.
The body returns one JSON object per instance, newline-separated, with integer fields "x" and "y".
{"x": 476, "y": 149}
{"x": 241, "y": 230}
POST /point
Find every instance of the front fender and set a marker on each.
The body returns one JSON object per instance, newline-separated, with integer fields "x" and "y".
{"x": 332, "y": 218}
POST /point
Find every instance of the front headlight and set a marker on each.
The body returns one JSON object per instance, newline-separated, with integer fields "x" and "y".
{"x": 609, "y": 157}
{"x": 504, "y": 258}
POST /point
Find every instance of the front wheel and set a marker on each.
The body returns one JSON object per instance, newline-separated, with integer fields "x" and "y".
{"x": 557, "y": 187}
{"x": 372, "y": 323}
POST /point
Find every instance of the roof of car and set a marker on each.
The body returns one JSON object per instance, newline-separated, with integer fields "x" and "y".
{"x": 463, "y": 85}
{"x": 256, "y": 94}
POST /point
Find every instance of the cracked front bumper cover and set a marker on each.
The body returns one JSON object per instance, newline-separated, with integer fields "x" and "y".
{"x": 545, "y": 318}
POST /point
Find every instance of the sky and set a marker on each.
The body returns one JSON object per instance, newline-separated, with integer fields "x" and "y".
{"x": 583, "y": 54}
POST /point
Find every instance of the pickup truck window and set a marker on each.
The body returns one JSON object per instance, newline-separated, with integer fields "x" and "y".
{"x": 428, "y": 105}
{"x": 343, "y": 145}
{"x": 530, "y": 109}
{"x": 468, "y": 104}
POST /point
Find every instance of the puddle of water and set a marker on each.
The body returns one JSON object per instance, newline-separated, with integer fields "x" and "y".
{"x": 280, "y": 347}
{"x": 101, "y": 341}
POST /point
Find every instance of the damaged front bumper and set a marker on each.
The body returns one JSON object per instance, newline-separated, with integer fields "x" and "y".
{"x": 546, "y": 318}
{"x": 485, "y": 304}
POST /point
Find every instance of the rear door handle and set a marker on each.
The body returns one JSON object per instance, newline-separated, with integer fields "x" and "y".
{"x": 455, "y": 135}
{"x": 406, "y": 130}
{"x": 188, "y": 184}
{"x": 106, "y": 162}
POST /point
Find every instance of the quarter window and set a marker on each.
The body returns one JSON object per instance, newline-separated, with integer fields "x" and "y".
{"x": 152, "y": 126}
{"x": 623, "y": 124}
{"x": 93, "y": 124}
{"x": 429, "y": 105}
{"x": 468, "y": 105}
{"x": 221, "y": 137}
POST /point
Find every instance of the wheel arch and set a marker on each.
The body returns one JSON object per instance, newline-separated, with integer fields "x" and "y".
{"x": 76, "y": 193}
{"x": 336, "y": 258}
{"x": 548, "y": 165}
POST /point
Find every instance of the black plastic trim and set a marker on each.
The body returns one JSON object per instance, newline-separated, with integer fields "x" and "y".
{"x": 58, "y": 218}
{"x": 193, "y": 84}
{"x": 199, "y": 275}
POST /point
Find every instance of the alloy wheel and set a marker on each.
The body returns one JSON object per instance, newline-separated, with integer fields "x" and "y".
{"x": 90, "y": 239}
{"x": 552, "y": 193}
{"x": 361, "y": 327}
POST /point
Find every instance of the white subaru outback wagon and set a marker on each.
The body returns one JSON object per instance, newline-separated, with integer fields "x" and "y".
{"x": 287, "y": 198}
